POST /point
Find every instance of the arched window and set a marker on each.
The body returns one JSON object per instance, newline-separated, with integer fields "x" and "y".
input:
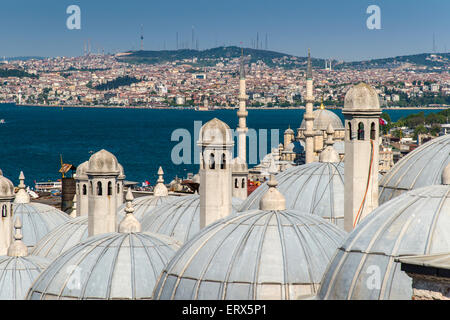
{"x": 110, "y": 189}
{"x": 372, "y": 131}
{"x": 361, "y": 131}
{"x": 4, "y": 211}
{"x": 84, "y": 190}
{"x": 223, "y": 163}
{"x": 243, "y": 183}
{"x": 212, "y": 162}
{"x": 236, "y": 183}
{"x": 99, "y": 188}
{"x": 350, "y": 136}
{"x": 118, "y": 188}
{"x": 91, "y": 188}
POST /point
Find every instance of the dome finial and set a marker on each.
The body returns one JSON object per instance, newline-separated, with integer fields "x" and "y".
{"x": 329, "y": 154}
{"x": 446, "y": 175}
{"x": 129, "y": 223}
{"x": 272, "y": 199}
{"x": 22, "y": 195}
{"x": 160, "y": 190}
{"x": 17, "y": 247}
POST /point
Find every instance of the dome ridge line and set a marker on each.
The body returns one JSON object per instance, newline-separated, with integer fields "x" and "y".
{"x": 435, "y": 219}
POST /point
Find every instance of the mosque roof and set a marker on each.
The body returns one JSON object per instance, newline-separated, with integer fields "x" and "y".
{"x": 178, "y": 218}
{"x": 361, "y": 97}
{"x": 316, "y": 188}
{"x": 323, "y": 117}
{"x": 257, "y": 255}
{"x": 106, "y": 266}
{"x": 215, "y": 132}
{"x": 103, "y": 162}
{"x": 364, "y": 267}
{"x": 419, "y": 168}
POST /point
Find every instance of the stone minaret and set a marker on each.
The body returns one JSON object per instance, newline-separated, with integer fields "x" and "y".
{"x": 103, "y": 172}
{"x": 82, "y": 187}
{"x": 216, "y": 145}
{"x": 239, "y": 165}
{"x": 309, "y": 117}
{"x": 6, "y": 210}
{"x": 361, "y": 112}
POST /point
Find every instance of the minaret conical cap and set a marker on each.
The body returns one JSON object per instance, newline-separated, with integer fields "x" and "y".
{"x": 129, "y": 223}
{"x": 22, "y": 195}
{"x": 17, "y": 247}
{"x": 272, "y": 199}
{"x": 309, "y": 66}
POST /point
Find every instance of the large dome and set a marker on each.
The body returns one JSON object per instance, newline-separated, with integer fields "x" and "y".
{"x": 421, "y": 167}
{"x": 143, "y": 206}
{"x": 106, "y": 266}
{"x": 361, "y": 97}
{"x": 257, "y": 255}
{"x": 179, "y": 218}
{"x": 103, "y": 162}
{"x": 322, "y": 118}
{"x": 38, "y": 220}
{"x": 316, "y": 188}
{"x": 62, "y": 238}
{"x": 17, "y": 274}
{"x": 415, "y": 223}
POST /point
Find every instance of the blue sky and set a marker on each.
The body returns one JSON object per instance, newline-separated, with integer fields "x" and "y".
{"x": 332, "y": 28}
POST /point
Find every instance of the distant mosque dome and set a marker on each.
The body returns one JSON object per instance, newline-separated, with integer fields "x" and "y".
{"x": 38, "y": 219}
{"x": 62, "y": 238}
{"x": 364, "y": 267}
{"x": 361, "y": 97}
{"x": 269, "y": 253}
{"x": 18, "y": 270}
{"x": 178, "y": 218}
{"x": 322, "y": 118}
{"x": 106, "y": 266}
{"x": 316, "y": 188}
{"x": 103, "y": 162}
{"x": 419, "y": 168}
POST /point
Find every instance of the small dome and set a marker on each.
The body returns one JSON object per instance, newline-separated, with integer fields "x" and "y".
{"x": 106, "y": 266}
{"x": 6, "y": 188}
{"x": 364, "y": 267}
{"x": 178, "y": 218}
{"x": 215, "y": 132}
{"x": 238, "y": 165}
{"x": 361, "y": 97}
{"x": 17, "y": 274}
{"x": 38, "y": 219}
{"x": 257, "y": 255}
{"x": 289, "y": 131}
{"x": 322, "y": 118}
{"x": 419, "y": 168}
{"x": 144, "y": 206}
{"x": 316, "y": 188}
{"x": 103, "y": 162}
{"x": 81, "y": 171}
{"x": 121, "y": 173}
{"x": 62, "y": 238}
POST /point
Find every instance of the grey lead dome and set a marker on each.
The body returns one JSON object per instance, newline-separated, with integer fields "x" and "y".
{"x": 107, "y": 266}
{"x": 419, "y": 168}
{"x": 257, "y": 255}
{"x": 415, "y": 223}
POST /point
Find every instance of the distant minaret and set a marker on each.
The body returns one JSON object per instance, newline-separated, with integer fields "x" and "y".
{"x": 142, "y": 37}
{"x": 361, "y": 112}
{"x": 309, "y": 117}
{"x": 240, "y": 169}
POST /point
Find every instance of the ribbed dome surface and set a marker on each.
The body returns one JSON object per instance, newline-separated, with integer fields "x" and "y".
{"x": 62, "y": 238}
{"x": 419, "y": 168}
{"x": 38, "y": 219}
{"x": 257, "y": 255}
{"x": 415, "y": 223}
{"x": 316, "y": 188}
{"x": 179, "y": 218}
{"x": 17, "y": 274}
{"x": 322, "y": 118}
{"x": 107, "y": 266}
{"x": 143, "y": 206}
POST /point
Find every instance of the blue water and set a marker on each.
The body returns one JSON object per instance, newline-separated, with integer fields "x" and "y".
{"x": 34, "y": 137}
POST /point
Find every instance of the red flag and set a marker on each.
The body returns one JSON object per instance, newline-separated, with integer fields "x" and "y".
{"x": 383, "y": 122}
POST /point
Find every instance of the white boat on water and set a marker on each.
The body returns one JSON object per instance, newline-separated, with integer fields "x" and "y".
{"x": 48, "y": 186}
{"x": 2, "y": 121}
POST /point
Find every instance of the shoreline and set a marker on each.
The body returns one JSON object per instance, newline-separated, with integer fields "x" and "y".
{"x": 219, "y": 108}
